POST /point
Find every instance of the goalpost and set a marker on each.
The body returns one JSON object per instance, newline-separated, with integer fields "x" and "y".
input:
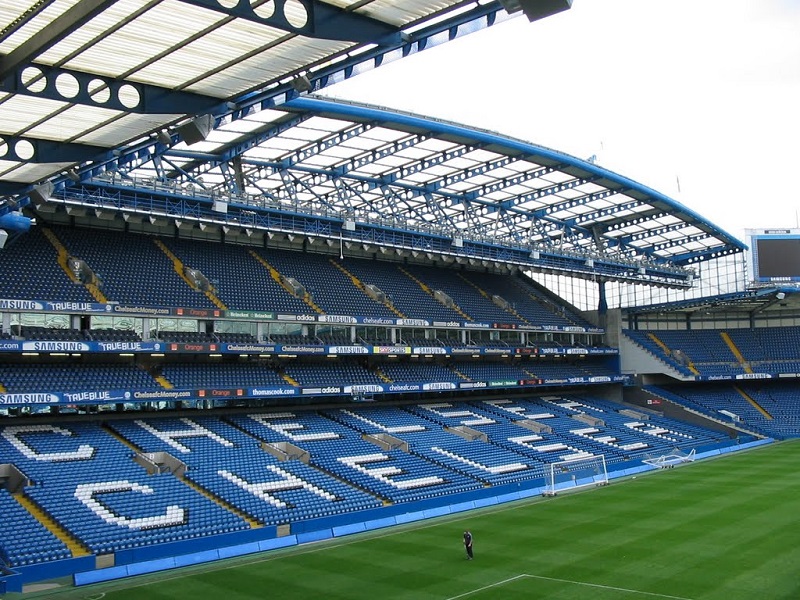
{"x": 667, "y": 461}
{"x": 568, "y": 475}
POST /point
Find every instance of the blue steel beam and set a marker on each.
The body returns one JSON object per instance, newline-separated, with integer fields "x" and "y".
{"x": 658, "y": 231}
{"x": 440, "y": 31}
{"x": 163, "y": 203}
{"x": 324, "y": 21}
{"x": 34, "y": 150}
{"x": 87, "y": 89}
{"x": 690, "y": 258}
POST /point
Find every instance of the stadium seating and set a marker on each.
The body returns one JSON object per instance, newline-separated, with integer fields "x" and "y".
{"x": 30, "y": 271}
{"x": 135, "y": 272}
{"x": 41, "y": 377}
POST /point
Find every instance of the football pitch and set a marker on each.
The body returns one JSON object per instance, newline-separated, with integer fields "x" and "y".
{"x": 721, "y": 529}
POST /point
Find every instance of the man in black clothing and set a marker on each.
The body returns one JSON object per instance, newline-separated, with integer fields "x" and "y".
{"x": 468, "y": 544}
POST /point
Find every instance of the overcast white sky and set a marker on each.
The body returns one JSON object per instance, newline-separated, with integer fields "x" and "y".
{"x": 706, "y": 93}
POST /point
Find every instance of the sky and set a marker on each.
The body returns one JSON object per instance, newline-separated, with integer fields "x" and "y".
{"x": 699, "y": 100}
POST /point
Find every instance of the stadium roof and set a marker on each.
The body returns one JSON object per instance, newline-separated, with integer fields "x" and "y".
{"x": 79, "y": 78}
{"x": 198, "y": 111}
{"x": 770, "y": 300}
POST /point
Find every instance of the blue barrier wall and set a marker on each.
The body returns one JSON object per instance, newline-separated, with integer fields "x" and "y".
{"x": 161, "y": 557}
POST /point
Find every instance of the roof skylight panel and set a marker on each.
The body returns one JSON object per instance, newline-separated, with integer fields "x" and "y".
{"x": 320, "y": 160}
{"x": 557, "y": 177}
{"x": 284, "y": 143}
{"x": 389, "y": 11}
{"x": 457, "y": 187}
{"x": 75, "y": 121}
{"x": 590, "y": 188}
{"x": 386, "y": 135}
{"x": 135, "y": 42}
{"x": 421, "y": 177}
{"x": 480, "y": 180}
{"x": 440, "y": 170}
{"x": 122, "y": 128}
{"x": 436, "y": 145}
{"x": 11, "y": 9}
{"x": 362, "y": 143}
{"x": 263, "y": 153}
{"x": 502, "y": 173}
{"x": 461, "y": 163}
{"x": 371, "y": 169}
{"x": 340, "y": 152}
{"x": 327, "y": 125}
{"x": 414, "y": 153}
{"x": 17, "y": 113}
{"x": 241, "y": 126}
{"x": 569, "y": 194}
{"x": 482, "y": 156}
{"x": 394, "y": 161}
{"x": 223, "y": 137}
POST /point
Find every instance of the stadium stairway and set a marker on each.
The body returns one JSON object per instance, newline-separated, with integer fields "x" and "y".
{"x": 288, "y": 378}
{"x": 277, "y": 277}
{"x": 360, "y": 285}
{"x": 253, "y": 523}
{"x": 510, "y": 310}
{"x": 63, "y": 262}
{"x": 177, "y": 263}
{"x": 668, "y": 351}
{"x": 736, "y": 352}
{"x": 164, "y": 382}
{"x": 425, "y": 288}
{"x": 75, "y": 547}
{"x": 383, "y": 377}
{"x": 752, "y": 401}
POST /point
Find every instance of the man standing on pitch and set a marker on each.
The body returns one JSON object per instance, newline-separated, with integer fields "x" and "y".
{"x": 468, "y": 544}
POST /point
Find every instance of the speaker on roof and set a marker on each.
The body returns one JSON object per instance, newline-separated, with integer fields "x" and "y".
{"x": 41, "y": 193}
{"x": 536, "y": 9}
{"x": 3, "y": 238}
{"x": 197, "y": 129}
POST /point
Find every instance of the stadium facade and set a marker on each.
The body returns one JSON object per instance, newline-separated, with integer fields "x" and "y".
{"x": 237, "y": 316}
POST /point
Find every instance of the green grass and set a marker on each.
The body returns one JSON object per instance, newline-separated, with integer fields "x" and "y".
{"x": 723, "y": 529}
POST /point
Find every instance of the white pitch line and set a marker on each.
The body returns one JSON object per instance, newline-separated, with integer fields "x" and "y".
{"x": 606, "y": 587}
{"x": 487, "y": 587}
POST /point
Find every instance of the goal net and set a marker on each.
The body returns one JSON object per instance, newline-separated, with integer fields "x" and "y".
{"x": 666, "y": 461}
{"x": 568, "y": 475}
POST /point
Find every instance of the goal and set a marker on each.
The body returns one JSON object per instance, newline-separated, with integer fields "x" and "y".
{"x": 568, "y": 475}
{"x": 668, "y": 461}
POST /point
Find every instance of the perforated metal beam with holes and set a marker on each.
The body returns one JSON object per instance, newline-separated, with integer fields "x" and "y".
{"x": 34, "y": 150}
{"x": 87, "y": 89}
{"x": 308, "y": 18}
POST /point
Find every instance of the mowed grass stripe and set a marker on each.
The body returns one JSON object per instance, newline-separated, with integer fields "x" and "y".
{"x": 722, "y": 529}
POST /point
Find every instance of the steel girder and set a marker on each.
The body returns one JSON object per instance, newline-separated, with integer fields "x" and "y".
{"x": 320, "y": 20}
{"x": 161, "y": 202}
{"x": 41, "y": 81}
{"x": 393, "y": 47}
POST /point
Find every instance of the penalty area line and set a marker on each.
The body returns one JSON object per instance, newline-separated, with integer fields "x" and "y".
{"x": 607, "y": 587}
{"x": 488, "y": 587}
{"x": 569, "y": 581}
